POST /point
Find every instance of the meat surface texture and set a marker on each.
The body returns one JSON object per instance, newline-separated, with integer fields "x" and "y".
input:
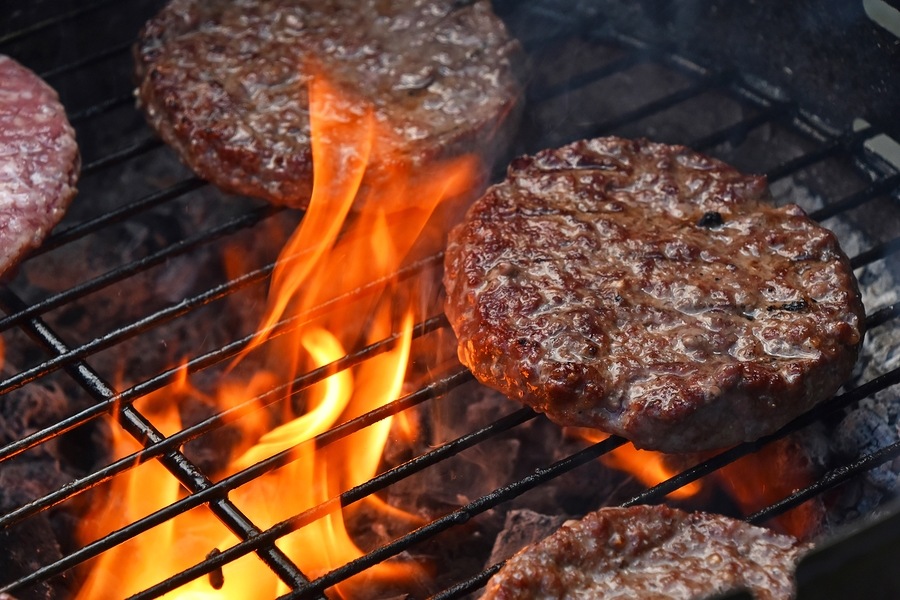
{"x": 225, "y": 83}
{"x": 651, "y": 292}
{"x": 39, "y": 161}
{"x": 651, "y": 552}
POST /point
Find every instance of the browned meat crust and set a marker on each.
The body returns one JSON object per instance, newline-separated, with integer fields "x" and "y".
{"x": 651, "y": 552}
{"x": 651, "y": 292}
{"x": 224, "y": 82}
{"x": 39, "y": 161}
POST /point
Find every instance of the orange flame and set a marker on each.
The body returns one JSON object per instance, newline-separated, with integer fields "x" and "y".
{"x": 352, "y": 235}
{"x": 646, "y": 466}
{"x": 770, "y": 474}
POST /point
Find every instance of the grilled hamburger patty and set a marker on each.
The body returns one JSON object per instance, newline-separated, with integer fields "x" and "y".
{"x": 651, "y": 552}
{"x": 651, "y": 292}
{"x": 224, "y": 82}
{"x": 39, "y": 161}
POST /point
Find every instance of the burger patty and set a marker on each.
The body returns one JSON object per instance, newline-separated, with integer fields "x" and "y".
{"x": 224, "y": 82}
{"x": 651, "y": 552}
{"x": 39, "y": 161}
{"x": 650, "y": 292}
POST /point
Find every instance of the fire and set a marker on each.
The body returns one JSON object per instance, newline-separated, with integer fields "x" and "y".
{"x": 647, "y": 467}
{"x": 770, "y": 474}
{"x": 352, "y": 235}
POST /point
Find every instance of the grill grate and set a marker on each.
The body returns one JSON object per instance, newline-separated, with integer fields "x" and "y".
{"x": 749, "y": 114}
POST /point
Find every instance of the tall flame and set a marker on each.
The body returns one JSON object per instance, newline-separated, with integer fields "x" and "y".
{"x": 352, "y": 235}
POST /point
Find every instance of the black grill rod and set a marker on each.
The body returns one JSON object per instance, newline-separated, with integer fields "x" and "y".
{"x": 882, "y": 315}
{"x": 659, "y": 491}
{"x": 126, "y": 397}
{"x": 88, "y": 60}
{"x": 693, "y": 90}
{"x": 347, "y": 498}
{"x": 877, "y": 188}
{"x": 98, "y": 109}
{"x": 466, "y": 587}
{"x": 718, "y": 461}
{"x": 55, "y": 301}
{"x": 145, "y": 433}
{"x": 737, "y": 132}
{"x": 831, "y": 479}
{"x": 458, "y": 516}
{"x": 876, "y": 253}
{"x": 143, "y": 264}
{"x": 64, "y": 236}
{"x": 186, "y": 305}
{"x": 568, "y": 29}
{"x": 627, "y": 61}
{"x": 203, "y": 361}
{"x": 278, "y": 393}
{"x": 51, "y": 21}
{"x": 221, "y": 488}
{"x": 119, "y": 156}
{"x": 843, "y": 143}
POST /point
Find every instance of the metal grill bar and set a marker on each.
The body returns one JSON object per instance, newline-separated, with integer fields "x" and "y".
{"x": 767, "y": 110}
{"x": 120, "y": 156}
{"x": 621, "y": 64}
{"x": 882, "y": 315}
{"x": 878, "y": 188}
{"x": 87, "y": 61}
{"x": 738, "y": 131}
{"x": 843, "y": 143}
{"x": 716, "y": 80}
{"x": 131, "y": 269}
{"x": 55, "y": 20}
{"x": 220, "y": 489}
{"x": 100, "y": 108}
{"x": 875, "y": 253}
{"x": 144, "y": 432}
{"x": 117, "y": 216}
{"x": 457, "y": 517}
{"x": 828, "y": 481}
{"x": 212, "y": 358}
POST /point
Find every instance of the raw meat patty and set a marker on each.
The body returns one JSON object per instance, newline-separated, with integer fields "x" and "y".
{"x": 651, "y": 292}
{"x": 224, "y": 82}
{"x": 39, "y": 161}
{"x": 651, "y": 552}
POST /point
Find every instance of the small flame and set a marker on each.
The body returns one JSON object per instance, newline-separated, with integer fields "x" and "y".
{"x": 352, "y": 235}
{"x": 770, "y": 474}
{"x": 648, "y": 467}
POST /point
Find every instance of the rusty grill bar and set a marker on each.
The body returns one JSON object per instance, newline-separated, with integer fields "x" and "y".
{"x": 878, "y": 181}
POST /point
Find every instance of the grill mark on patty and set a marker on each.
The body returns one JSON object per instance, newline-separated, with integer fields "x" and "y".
{"x": 755, "y": 335}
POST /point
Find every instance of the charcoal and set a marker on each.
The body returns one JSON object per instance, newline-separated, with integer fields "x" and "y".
{"x": 522, "y": 527}
{"x": 34, "y": 542}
